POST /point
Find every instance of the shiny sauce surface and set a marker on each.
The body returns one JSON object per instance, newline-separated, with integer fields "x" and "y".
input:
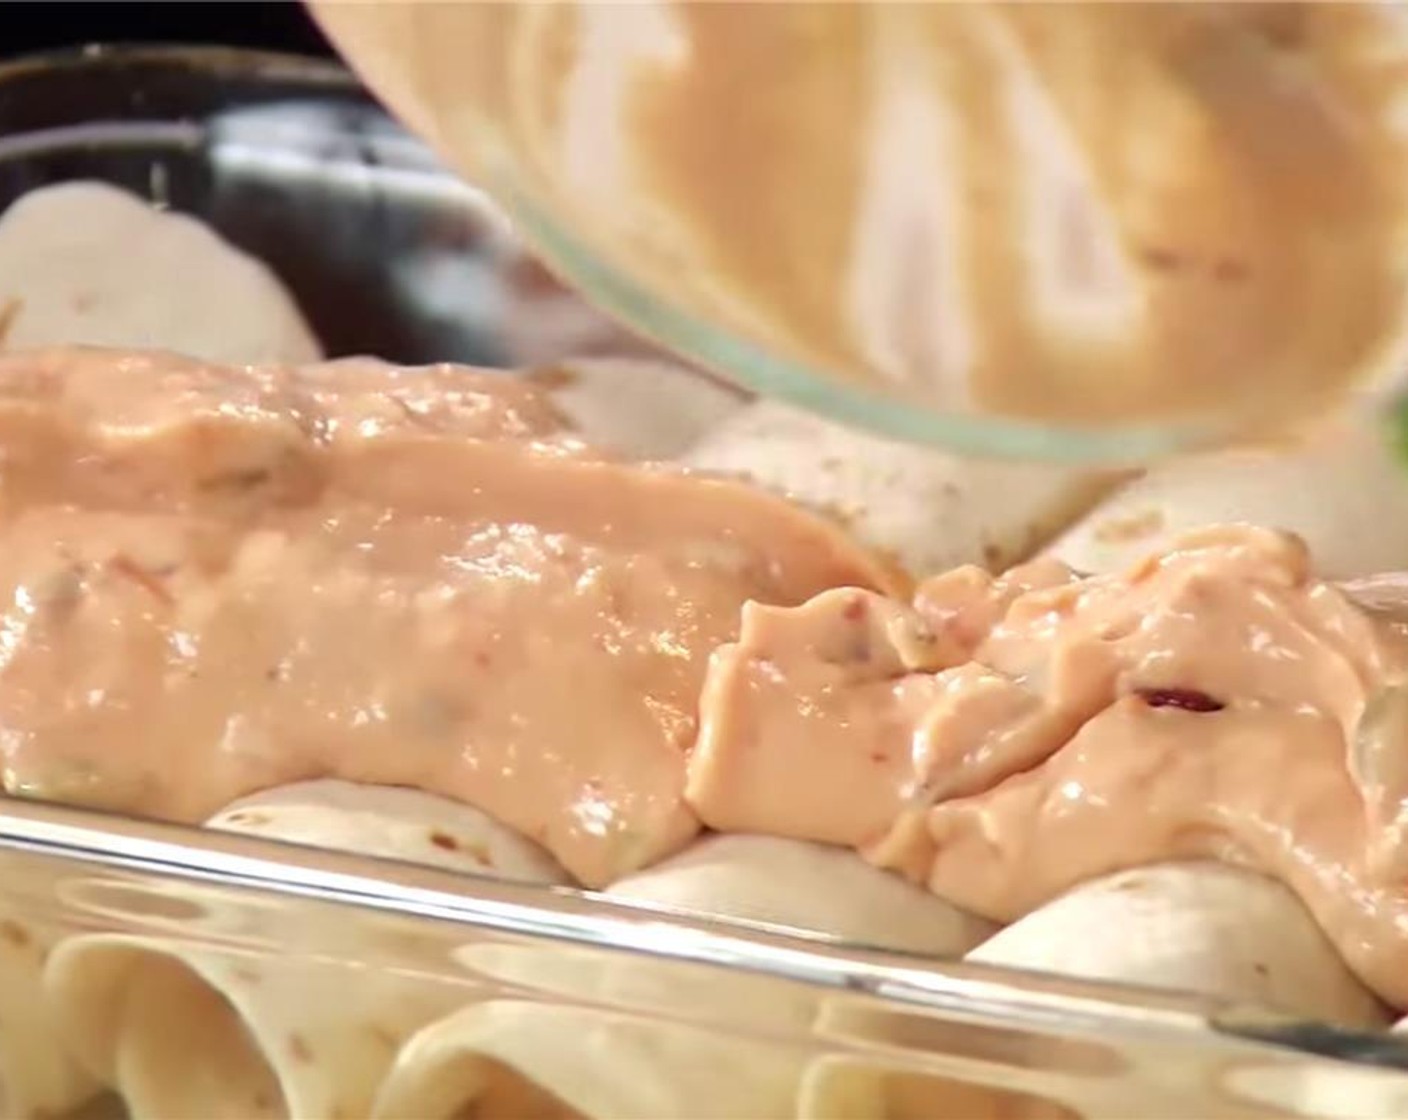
{"x": 216, "y": 581}
{"x": 1004, "y": 739}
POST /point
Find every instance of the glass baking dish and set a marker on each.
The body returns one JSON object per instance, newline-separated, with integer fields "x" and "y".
{"x": 387, "y": 254}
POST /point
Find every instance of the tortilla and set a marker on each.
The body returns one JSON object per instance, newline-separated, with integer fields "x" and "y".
{"x": 87, "y": 263}
{"x": 930, "y": 510}
{"x": 1015, "y": 1075}
{"x": 1325, "y": 1091}
{"x": 178, "y": 1028}
{"x": 797, "y": 886}
{"x": 1203, "y": 928}
{"x": 38, "y": 1077}
{"x": 1345, "y": 492}
{"x": 510, "y": 1059}
{"x": 804, "y": 887}
{"x": 660, "y": 1021}
{"x": 274, "y": 1035}
{"x": 847, "y": 1088}
{"x": 811, "y": 887}
{"x": 638, "y": 409}
{"x": 403, "y": 824}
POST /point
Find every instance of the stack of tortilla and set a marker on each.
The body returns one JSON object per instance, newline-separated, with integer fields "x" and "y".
{"x": 185, "y": 1028}
{"x": 275, "y": 1036}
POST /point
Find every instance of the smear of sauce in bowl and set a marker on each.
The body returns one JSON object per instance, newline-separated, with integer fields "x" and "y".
{"x": 1078, "y": 214}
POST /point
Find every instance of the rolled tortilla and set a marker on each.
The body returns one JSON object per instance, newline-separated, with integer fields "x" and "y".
{"x": 512, "y": 1059}
{"x": 1326, "y": 1091}
{"x": 812, "y": 887}
{"x": 931, "y": 511}
{"x": 1204, "y": 928}
{"x": 87, "y": 263}
{"x": 789, "y": 883}
{"x": 1144, "y": 1082}
{"x": 1345, "y": 492}
{"x": 639, "y": 409}
{"x": 804, "y": 887}
{"x": 274, "y": 1036}
{"x": 38, "y": 1076}
{"x": 383, "y": 821}
{"x": 179, "y": 1028}
{"x": 913, "y": 1064}
{"x": 845, "y": 1088}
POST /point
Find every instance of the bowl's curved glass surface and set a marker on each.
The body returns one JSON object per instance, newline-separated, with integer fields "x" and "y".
{"x": 768, "y": 372}
{"x": 1219, "y": 305}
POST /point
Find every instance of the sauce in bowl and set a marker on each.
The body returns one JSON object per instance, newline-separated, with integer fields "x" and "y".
{"x": 1074, "y": 216}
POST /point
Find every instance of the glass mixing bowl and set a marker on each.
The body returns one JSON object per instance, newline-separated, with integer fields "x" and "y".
{"x": 707, "y": 173}
{"x": 389, "y": 254}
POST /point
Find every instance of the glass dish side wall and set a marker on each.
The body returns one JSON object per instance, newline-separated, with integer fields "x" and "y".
{"x": 380, "y": 934}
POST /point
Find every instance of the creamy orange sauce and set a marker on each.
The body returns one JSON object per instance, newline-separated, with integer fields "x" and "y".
{"x": 214, "y": 581}
{"x": 1082, "y": 213}
{"x": 1004, "y": 739}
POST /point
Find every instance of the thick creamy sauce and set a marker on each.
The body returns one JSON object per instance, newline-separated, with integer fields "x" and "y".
{"x": 1004, "y": 739}
{"x": 1081, "y": 213}
{"x": 216, "y": 581}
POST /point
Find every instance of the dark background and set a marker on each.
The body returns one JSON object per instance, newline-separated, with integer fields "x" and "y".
{"x": 284, "y": 25}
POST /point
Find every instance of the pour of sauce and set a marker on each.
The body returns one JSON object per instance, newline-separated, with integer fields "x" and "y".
{"x": 1004, "y": 739}
{"x": 216, "y": 581}
{"x": 1077, "y": 214}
